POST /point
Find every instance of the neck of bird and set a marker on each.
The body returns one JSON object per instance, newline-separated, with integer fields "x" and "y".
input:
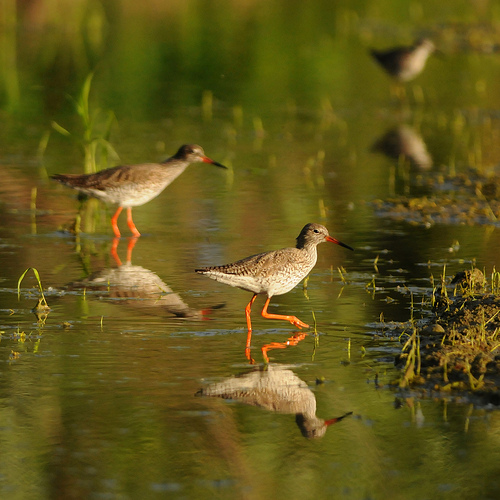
{"x": 178, "y": 166}
{"x": 423, "y": 51}
{"x": 308, "y": 248}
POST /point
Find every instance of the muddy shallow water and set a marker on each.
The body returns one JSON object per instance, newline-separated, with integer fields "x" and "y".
{"x": 135, "y": 382}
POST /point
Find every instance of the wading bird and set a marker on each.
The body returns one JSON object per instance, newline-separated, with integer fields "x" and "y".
{"x": 274, "y": 273}
{"x": 133, "y": 185}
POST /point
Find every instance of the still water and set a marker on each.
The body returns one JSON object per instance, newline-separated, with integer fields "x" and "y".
{"x": 136, "y": 384}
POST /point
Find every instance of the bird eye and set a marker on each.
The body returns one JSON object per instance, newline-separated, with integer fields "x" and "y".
{"x": 316, "y": 231}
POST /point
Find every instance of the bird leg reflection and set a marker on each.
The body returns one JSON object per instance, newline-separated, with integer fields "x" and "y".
{"x": 293, "y": 340}
{"x": 114, "y": 253}
{"x": 248, "y": 310}
{"x": 130, "y": 247}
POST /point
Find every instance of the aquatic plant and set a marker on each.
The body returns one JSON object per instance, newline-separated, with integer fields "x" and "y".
{"x": 41, "y": 309}
{"x": 39, "y": 282}
{"x": 413, "y": 361}
{"x": 412, "y": 366}
{"x": 97, "y": 125}
{"x": 457, "y": 347}
{"x": 94, "y": 142}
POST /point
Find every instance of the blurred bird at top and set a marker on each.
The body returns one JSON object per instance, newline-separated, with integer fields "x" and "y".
{"x": 405, "y": 63}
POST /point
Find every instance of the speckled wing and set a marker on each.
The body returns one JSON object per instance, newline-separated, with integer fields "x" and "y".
{"x": 122, "y": 174}
{"x": 273, "y": 273}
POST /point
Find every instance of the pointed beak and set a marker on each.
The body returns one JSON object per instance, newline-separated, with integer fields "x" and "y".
{"x": 337, "y": 242}
{"x": 331, "y": 421}
{"x": 208, "y": 160}
{"x": 338, "y": 419}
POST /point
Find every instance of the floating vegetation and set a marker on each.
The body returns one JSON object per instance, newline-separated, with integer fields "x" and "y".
{"x": 430, "y": 210}
{"x": 469, "y": 198}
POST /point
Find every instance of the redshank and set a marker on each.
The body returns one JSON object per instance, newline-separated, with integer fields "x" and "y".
{"x": 274, "y": 273}
{"x": 405, "y": 63}
{"x": 133, "y": 185}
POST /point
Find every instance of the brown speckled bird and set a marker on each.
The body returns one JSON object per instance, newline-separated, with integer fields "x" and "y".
{"x": 133, "y": 185}
{"x": 274, "y": 273}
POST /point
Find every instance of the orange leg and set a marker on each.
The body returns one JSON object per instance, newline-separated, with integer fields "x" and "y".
{"x": 248, "y": 309}
{"x": 293, "y": 320}
{"x": 114, "y": 221}
{"x": 131, "y": 224}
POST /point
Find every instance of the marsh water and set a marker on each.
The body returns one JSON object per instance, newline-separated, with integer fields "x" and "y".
{"x": 117, "y": 391}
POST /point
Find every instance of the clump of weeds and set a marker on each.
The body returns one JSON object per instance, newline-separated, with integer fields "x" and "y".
{"x": 458, "y": 347}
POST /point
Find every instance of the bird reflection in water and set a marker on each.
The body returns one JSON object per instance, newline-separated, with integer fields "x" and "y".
{"x": 137, "y": 287}
{"x": 404, "y": 142}
{"x": 275, "y": 388}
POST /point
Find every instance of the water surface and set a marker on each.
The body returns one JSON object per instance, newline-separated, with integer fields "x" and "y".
{"x": 102, "y": 397}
